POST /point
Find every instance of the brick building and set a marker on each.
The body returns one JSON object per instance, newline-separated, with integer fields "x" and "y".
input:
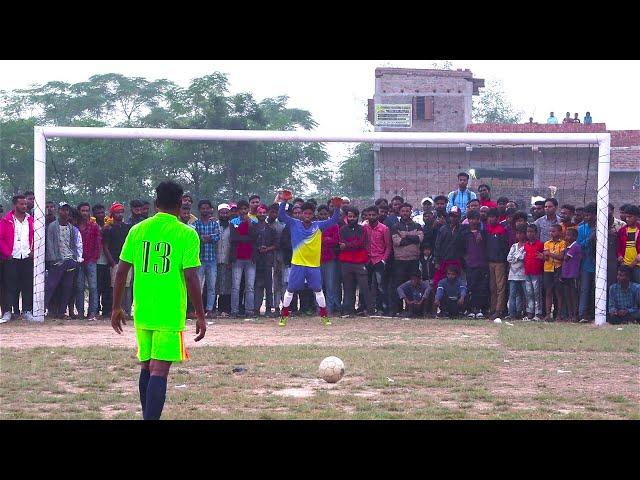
{"x": 441, "y": 100}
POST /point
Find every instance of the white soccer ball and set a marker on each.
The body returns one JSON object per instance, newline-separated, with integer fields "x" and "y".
{"x": 497, "y": 320}
{"x": 331, "y": 369}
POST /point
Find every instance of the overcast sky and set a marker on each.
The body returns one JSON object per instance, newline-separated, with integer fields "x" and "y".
{"x": 336, "y": 91}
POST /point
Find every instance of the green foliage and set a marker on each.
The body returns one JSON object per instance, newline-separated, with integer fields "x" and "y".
{"x": 109, "y": 170}
{"x": 355, "y": 175}
{"x": 493, "y": 106}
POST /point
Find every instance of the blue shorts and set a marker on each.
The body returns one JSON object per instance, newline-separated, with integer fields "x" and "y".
{"x": 298, "y": 274}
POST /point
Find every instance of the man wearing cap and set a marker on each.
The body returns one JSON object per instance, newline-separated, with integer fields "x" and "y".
{"x": 113, "y": 237}
{"x": 63, "y": 253}
{"x": 427, "y": 208}
{"x": 460, "y": 197}
{"x": 345, "y": 201}
{"x": 223, "y": 277}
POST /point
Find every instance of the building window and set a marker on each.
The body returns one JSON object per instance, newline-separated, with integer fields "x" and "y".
{"x": 423, "y": 108}
{"x": 420, "y": 108}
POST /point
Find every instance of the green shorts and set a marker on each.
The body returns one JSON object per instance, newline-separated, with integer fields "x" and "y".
{"x": 161, "y": 345}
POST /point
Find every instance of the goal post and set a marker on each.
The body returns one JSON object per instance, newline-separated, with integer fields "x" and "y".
{"x": 603, "y": 140}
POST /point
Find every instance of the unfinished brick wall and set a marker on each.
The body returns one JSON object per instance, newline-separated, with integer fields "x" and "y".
{"x": 418, "y": 172}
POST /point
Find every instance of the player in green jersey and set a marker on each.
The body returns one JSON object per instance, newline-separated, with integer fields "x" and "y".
{"x": 165, "y": 256}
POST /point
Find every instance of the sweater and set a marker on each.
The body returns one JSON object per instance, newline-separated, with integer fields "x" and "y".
{"x": 406, "y": 237}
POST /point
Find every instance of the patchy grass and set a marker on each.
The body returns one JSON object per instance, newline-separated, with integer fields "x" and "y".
{"x": 454, "y": 370}
{"x": 570, "y": 337}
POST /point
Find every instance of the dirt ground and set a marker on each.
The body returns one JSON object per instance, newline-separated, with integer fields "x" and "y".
{"x": 555, "y": 382}
{"x": 265, "y": 332}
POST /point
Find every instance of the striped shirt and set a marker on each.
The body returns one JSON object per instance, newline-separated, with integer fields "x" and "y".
{"x": 207, "y": 250}
{"x": 620, "y": 299}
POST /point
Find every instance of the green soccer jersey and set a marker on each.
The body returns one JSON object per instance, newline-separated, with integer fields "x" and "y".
{"x": 160, "y": 248}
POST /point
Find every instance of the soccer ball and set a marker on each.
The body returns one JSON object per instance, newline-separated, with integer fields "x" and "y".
{"x": 331, "y": 369}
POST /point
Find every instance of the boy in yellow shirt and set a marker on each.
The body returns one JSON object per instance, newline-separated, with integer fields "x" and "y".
{"x": 552, "y": 255}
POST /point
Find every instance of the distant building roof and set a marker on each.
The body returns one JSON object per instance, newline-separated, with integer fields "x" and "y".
{"x": 433, "y": 72}
{"x": 619, "y": 138}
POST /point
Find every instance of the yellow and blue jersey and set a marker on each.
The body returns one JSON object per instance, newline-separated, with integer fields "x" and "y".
{"x": 306, "y": 243}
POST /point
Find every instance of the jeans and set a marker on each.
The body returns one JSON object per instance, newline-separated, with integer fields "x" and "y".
{"x": 515, "y": 297}
{"x": 264, "y": 287}
{"x": 587, "y": 303}
{"x": 209, "y": 271}
{"x": 18, "y": 278}
{"x": 449, "y": 307}
{"x": 104, "y": 289}
{"x": 87, "y": 273}
{"x": 628, "y": 318}
{"x": 277, "y": 285}
{"x": 478, "y": 285}
{"x": 532, "y": 293}
{"x": 331, "y": 286}
{"x": 355, "y": 274}
{"x": 249, "y": 269}
{"x": 376, "y": 286}
{"x": 60, "y": 275}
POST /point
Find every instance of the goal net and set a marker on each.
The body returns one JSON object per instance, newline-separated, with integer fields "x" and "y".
{"x": 523, "y": 167}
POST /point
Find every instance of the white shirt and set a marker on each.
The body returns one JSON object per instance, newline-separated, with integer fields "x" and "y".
{"x": 21, "y": 248}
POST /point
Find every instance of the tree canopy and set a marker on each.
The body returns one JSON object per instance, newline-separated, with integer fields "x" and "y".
{"x": 109, "y": 170}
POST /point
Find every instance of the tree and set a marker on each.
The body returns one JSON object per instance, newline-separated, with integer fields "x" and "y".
{"x": 493, "y": 106}
{"x": 355, "y": 175}
{"x": 109, "y": 170}
{"x": 442, "y": 65}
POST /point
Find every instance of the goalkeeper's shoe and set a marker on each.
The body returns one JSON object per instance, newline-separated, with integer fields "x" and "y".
{"x": 284, "y": 316}
{"x": 324, "y": 317}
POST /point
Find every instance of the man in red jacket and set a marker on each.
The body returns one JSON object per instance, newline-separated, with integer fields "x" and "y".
{"x": 353, "y": 258}
{"x": 16, "y": 248}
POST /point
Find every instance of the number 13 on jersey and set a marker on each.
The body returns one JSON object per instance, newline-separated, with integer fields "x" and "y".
{"x": 159, "y": 256}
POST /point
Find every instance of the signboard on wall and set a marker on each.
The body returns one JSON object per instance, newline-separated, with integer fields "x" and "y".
{"x": 393, "y": 115}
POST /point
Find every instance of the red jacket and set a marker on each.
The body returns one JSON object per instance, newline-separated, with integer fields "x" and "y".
{"x": 487, "y": 203}
{"x": 622, "y": 240}
{"x": 356, "y": 242}
{"x": 330, "y": 238}
{"x": 7, "y": 232}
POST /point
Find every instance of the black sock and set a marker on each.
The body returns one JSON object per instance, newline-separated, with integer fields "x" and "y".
{"x": 156, "y": 392}
{"x": 143, "y": 383}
